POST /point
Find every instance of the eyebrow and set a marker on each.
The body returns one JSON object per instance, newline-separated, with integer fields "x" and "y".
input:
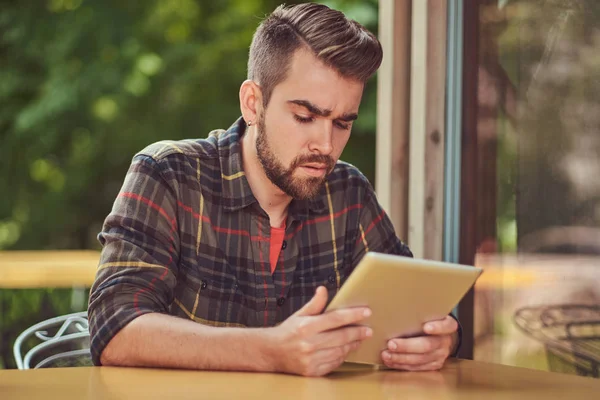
{"x": 323, "y": 112}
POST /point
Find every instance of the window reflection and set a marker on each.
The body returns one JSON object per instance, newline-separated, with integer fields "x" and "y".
{"x": 538, "y": 135}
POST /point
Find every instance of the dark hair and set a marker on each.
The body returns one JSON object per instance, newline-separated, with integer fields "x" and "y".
{"x": 341, "y": 43}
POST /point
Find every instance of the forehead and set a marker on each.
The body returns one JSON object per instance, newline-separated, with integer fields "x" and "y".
{"x": 310, "y": 79}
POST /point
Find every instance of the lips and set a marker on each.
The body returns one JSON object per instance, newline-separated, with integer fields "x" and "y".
{"x": 317, "y": 170}
{"x": 315, "y": 165}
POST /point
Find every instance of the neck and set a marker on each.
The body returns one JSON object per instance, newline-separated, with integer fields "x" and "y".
{"x": 271, "y": 199}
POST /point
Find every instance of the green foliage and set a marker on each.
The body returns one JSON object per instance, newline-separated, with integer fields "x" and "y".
{"x": 86, "y": 84}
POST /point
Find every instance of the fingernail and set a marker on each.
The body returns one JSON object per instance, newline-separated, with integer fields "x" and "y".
{"x": 368, "y": 332}
{"x": 387, "y": 356}
{"x": 392, "y": 346}
{"x": 428, "y": 328}
{"x": 367, "y": 313}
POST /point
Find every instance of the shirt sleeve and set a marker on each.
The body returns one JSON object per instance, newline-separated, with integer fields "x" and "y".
{"x": 138, "y": 263}
{"x": 376, "y": 232}
{"x": 459, "y": 334}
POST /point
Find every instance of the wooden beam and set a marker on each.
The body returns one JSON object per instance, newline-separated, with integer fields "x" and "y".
{"x": 418, "y": 112}
{"x": 435, "y": 130}
{"x": 427, "y": 129}
{"x": 393, "y": 98}
{"x": 22, "y": 269}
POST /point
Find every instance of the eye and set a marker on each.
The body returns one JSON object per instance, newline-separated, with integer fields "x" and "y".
{"x": 341, "y": 125}
{"x": 303, "y": 120}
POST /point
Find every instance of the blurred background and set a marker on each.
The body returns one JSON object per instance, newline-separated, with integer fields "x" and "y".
{"x": 84, "y": 85}
{"x": 536, "y": 115}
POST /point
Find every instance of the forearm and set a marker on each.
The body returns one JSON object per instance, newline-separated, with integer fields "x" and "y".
{"x": 159, "y": 340}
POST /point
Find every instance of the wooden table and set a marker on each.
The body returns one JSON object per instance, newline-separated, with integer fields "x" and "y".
{"x": 41, "y": 269}
{"x": 460, "y": 379}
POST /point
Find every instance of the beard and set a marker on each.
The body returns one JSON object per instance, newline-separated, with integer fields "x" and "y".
{"x": 296, "y": 187}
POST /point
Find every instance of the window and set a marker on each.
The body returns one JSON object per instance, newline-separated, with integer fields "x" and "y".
{"x": 532, "y": 115}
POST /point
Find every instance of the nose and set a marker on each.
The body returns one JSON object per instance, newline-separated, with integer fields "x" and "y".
{"x": 322, "y": 140}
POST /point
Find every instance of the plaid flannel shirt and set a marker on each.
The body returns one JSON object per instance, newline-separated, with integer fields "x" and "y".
{"x": 187, "y": 237}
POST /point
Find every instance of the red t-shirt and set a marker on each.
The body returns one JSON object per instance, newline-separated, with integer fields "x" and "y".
{"x": 277, "y": 235}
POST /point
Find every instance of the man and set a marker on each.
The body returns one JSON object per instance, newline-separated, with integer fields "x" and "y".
{"x": 247, "y": 234}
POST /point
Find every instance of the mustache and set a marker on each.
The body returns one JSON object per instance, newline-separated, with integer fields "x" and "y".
{"x": 313, "y": 158}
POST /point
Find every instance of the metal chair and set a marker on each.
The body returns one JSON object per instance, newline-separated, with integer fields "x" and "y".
{"x": 62, "y": 342}
{"x": 570, "y": 334}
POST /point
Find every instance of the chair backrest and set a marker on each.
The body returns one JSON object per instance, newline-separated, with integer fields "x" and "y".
{"x": 570, "y": 333}
{"x": 63, "y": 341}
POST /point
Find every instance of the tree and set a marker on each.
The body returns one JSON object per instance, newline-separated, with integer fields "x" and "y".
{"x": 84, "y": 85}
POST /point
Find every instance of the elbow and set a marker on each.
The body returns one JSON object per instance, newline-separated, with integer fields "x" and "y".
{"x": 121, "y": 349}
{"x": 118, "y": 352}
{"x": 111, "y": 356}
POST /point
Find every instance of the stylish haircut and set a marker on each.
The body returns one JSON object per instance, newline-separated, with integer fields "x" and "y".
{"x": 340, "y": 43}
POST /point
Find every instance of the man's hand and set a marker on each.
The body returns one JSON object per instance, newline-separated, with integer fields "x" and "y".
{"x": 313, "y": 344}
{"x": 423, "y": 353}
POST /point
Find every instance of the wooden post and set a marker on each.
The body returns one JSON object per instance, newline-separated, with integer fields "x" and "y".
{"x": 435, "y": 130}
{"x": 418, "y": 112}
{"x": 427, "y": 128}
{"x": 393, "y": 111}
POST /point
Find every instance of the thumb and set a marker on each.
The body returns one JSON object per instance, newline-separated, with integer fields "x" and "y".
{"x": 316, "y": 305}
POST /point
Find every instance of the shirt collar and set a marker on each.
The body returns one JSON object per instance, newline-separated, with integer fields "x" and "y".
{"x": 236, "y": 190}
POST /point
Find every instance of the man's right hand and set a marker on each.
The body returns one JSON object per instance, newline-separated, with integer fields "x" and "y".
{"x": 313, "y": 344}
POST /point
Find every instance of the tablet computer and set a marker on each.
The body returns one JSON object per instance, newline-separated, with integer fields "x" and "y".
{"x": 403, "y": 293}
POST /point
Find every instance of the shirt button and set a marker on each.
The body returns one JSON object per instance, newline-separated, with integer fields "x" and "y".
{"x": 283, "y": 245}
{"x": 281, "y": 301}
{"x": 203, "y": 285}
{"x": 331, "y": 278}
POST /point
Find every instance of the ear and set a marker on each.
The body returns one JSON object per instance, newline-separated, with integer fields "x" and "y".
{"x": 250, "y": 101}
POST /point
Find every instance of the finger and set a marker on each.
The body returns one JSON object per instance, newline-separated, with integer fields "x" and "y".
{"x": 329, "y": 359}
{"x": 331, "y": 354}
{"x": 326, "y": 368}
{"x": 342, "y": 336}
{"x": 431, "y": 366}
{"x": 412, "y": 359}
{"x": 352, "y": 346}
{"x": 418, "y": 345}
{"x": 316, "y": 305}
{"x": 336, "y": 355}
{"x": 444, "y": 326}
{"x": 340, "y": 318}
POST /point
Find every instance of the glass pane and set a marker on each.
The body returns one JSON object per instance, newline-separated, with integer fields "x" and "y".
{"x": 538, "y": 303}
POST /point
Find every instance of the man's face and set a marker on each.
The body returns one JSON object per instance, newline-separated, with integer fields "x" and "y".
{"x": 306, "y": 125}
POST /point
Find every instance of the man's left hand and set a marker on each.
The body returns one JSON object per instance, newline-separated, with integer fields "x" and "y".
{"x": 423, "y": 353}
